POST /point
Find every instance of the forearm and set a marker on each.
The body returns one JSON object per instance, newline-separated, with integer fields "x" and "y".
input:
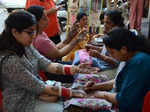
{"x": 67, "y": 39}
{"x": 105, "y": 86}
{"x": 51, "y": 90}
{"x": 108, "y": 60}
{"x": 111, "y": 97}
{"x": 58, "y": 91}
{"x": 51, "y": 11}
{"x": 60, "y": 45}
{"x": 66, "y": 49}
{"x": 62, "y": 69}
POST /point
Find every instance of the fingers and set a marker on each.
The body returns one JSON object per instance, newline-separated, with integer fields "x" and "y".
{"x": 88, "y": 86}
{"x": 88, "y": 70}
{"x": 84, "y": 65}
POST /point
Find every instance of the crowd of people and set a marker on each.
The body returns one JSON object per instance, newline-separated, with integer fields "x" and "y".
{"x": 30, "y": 44}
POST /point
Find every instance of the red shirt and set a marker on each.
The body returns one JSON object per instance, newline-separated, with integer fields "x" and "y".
{"x": 52, "y": 28}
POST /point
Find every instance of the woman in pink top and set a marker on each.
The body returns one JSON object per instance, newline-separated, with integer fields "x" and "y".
{"x": 46, "y": 47}
{"x": 43, "y": 44}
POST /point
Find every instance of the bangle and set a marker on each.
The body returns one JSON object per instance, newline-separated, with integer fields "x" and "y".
{"x": 65, "y": 92}
{"x": 67, "y": 70}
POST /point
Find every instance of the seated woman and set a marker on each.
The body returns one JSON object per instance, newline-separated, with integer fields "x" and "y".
{"x": 112, "y": 19}
{"x": 132, "y": 82}
{"x": 21, "y": 85}
{"x": 82, "y": 20}
{"x": 43, "y": 44}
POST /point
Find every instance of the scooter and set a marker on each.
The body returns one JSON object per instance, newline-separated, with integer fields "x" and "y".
{"x": 62, "y": 15}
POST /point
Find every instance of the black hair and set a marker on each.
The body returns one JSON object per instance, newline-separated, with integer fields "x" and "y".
{"x": 116, "y": 17}
{"x": 79, "y": 16}
{"x": 18, "y": 20}
{"x": 120, "y": 37}
{"x": 101, "y": 17}
{"x": 37, "y": 11}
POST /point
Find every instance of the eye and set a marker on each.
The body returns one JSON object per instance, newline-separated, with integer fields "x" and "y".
{"x": 31, "y": 33}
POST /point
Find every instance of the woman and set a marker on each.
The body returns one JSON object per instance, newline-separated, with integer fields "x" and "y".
{"x": 53, "y": 29}
{"x": 112, "y": 19}
{"x": 82, "y": 20}
{"x": 21, "y": 85}
{"x": 42, "y": 43}
{"x": 47, "y": 48}
{"x": 132, "y": 82}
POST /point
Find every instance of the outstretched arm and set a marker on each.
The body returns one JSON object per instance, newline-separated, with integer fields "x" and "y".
{"x": 107, "y": 59}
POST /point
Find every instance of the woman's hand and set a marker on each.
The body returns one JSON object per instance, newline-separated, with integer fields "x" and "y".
{"x": 100, "y": 94}
{"x": 81, "y": 35}
{"x": 86, "y": 68}
{"x": 90, "y": 86}
{"x": 78, "y": 93}
{"x": 89, "y": 46}
{"x": 94, "y": 53}
{"x": 74, "y": 30}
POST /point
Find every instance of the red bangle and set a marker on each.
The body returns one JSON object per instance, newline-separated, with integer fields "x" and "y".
{"x": 67, "y": 70}
{"x": 65, "y": 92}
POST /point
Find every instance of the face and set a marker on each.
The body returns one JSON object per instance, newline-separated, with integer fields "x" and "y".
{"x": 26, "y": 36}
{"x": 84, "y": 21}
{"x": 108, "y": 25}
{"x": 120, "y": 55}
{"x": 43, "y": 22}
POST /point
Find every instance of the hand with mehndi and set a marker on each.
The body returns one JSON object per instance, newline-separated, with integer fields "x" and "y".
{"x": 81, "y": 35}
{"x": 89, "y": 86}
{"x": 78, "y": 93}
{"x": 48, "y": 98}
{"x": 74, "y": 30}
{"x": 87, "y": 69}
{"x": 94, "y": 53}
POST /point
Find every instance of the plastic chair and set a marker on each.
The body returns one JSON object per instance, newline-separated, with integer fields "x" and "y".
{"x": 146, "y": 105}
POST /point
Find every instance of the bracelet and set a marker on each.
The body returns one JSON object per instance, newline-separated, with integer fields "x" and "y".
{"x": 67, "y": 70}
{"x": 65, "y": 92}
